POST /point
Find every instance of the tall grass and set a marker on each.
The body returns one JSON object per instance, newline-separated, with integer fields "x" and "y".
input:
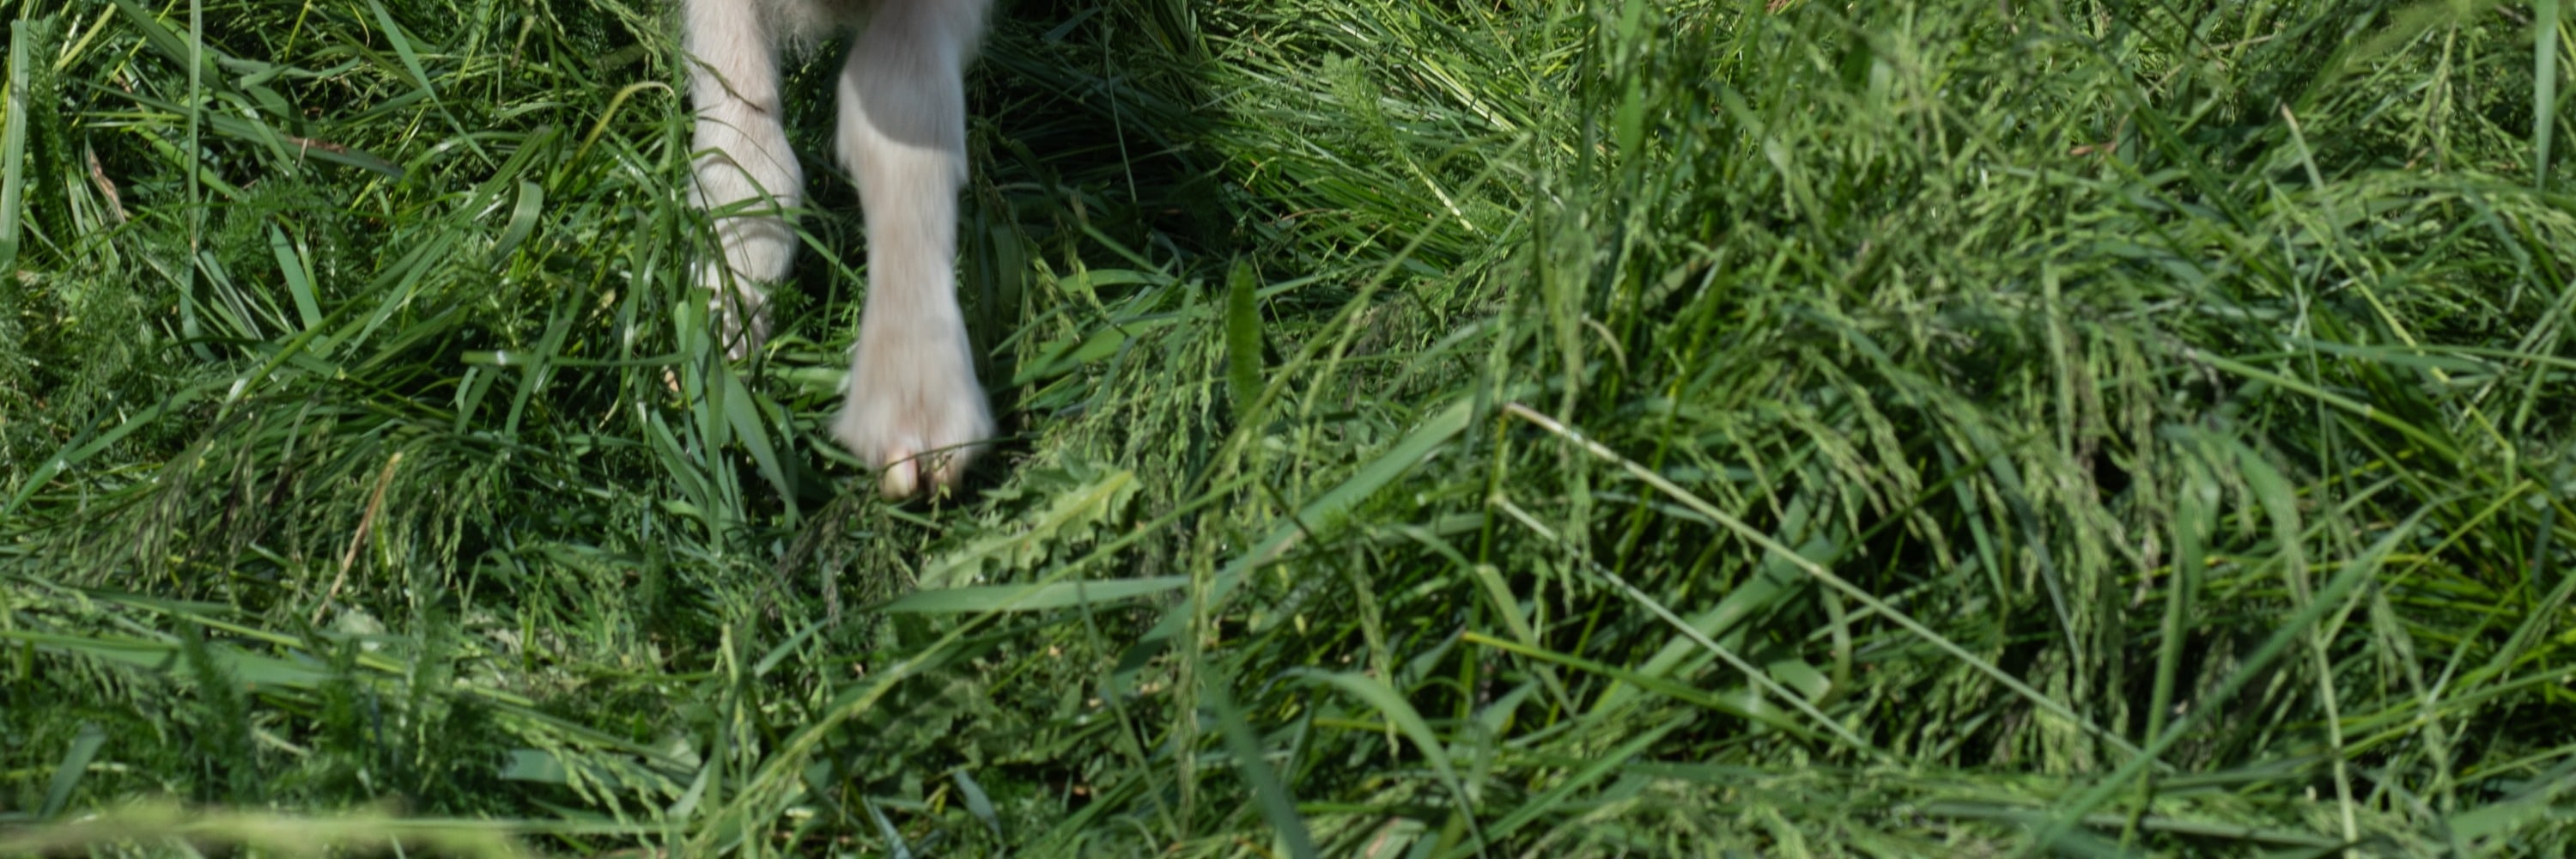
{"x": 1636, "y": 426}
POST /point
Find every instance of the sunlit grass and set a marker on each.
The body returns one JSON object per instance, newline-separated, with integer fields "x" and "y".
{"x": 1522, "y": 428}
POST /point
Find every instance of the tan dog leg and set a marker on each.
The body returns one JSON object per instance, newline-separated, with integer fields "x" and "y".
{"x": 743, "y": 164}
{"x": 914, "y": 408}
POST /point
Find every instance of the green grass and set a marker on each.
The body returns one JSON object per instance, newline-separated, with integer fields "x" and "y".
{"x": 1610, "y": 428}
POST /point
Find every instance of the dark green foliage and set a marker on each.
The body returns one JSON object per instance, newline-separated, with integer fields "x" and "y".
{"x": 1636, "y": 426}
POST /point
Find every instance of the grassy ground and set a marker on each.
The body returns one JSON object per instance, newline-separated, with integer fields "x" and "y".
{"x": 1625, "y": 427}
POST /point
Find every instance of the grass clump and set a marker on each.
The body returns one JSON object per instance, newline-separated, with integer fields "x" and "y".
{"x": 1653, "y": 426}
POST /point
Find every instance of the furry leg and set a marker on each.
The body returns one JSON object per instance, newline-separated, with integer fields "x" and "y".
{"x": 914, "y": 408}
{"x": 746, "y": 175}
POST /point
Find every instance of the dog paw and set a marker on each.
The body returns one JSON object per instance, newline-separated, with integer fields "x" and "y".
{"x": 741, "y": 316}
{"x": 915, "y": 411}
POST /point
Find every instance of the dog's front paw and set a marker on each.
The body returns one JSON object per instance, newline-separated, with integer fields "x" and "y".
{"x": 915, "y": 411}
{"x": 740, "y": 312}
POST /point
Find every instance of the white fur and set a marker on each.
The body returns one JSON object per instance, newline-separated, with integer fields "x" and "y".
{"x": 914, "y": 409}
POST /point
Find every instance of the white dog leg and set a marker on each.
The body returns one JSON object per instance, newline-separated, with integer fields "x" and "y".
{"x": 914, "y": 409}
{"x": 745, "y": 171}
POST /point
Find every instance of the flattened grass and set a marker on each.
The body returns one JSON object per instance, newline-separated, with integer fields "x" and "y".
{"x": 1619, "y": 427}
